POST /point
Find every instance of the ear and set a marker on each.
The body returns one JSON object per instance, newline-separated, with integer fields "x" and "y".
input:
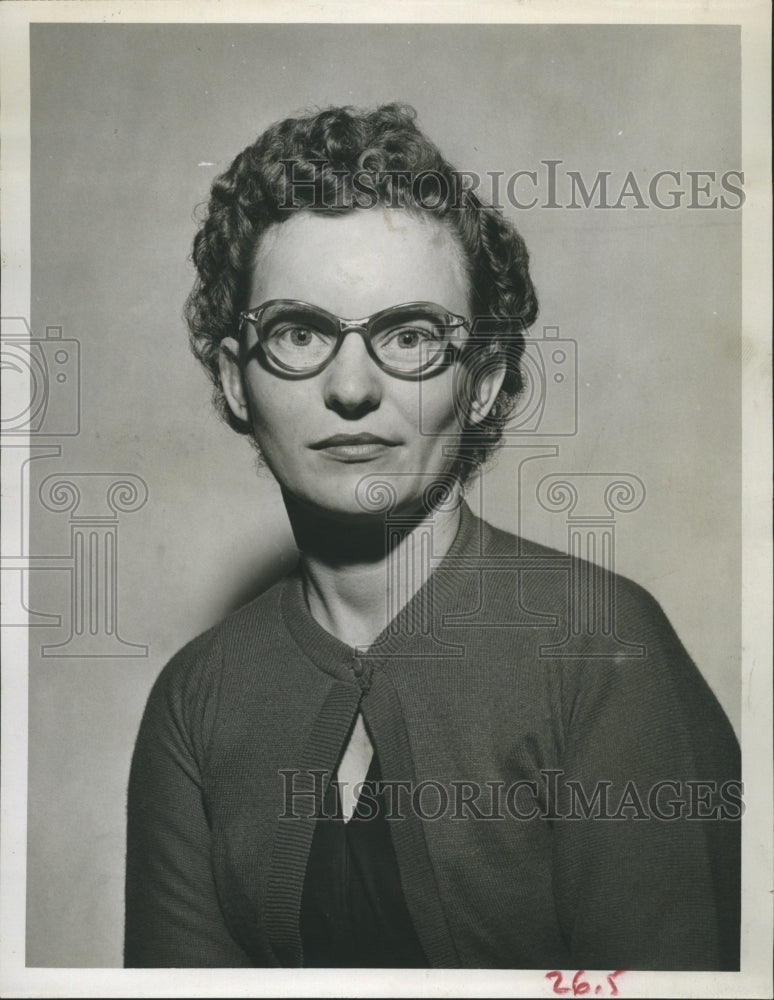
{"x": 231, "y": 379}
{"x": 487, "y": 384}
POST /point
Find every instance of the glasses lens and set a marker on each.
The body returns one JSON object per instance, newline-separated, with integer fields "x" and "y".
{"x": 411, "y": 341}
{"x": 296, "y": 338}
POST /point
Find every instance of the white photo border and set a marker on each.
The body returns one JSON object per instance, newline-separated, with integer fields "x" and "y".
{"x": 753, "y": 17}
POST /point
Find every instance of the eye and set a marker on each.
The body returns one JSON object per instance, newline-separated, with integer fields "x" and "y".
{"x": 295, "y": 336}
{"x": 300, "y": 337}
{"x": 410, "y": 337}
{"x": 407, "y": 338}
{"x": 296, "y": 344}
{"x": 411, "y": 344}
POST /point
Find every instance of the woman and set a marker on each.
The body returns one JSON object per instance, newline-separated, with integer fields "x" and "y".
{"x": 376, "y": 763}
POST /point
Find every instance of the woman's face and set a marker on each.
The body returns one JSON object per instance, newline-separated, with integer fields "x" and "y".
{"x": 320, "y": 436}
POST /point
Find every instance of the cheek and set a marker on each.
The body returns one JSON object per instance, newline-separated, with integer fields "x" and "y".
{"x": 436, "y": 410}
{"x": 269, "y": 405}
{"x": 278, "y": 419}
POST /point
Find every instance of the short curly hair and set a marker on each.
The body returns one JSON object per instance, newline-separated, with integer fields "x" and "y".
{"x": 340, "y": 160}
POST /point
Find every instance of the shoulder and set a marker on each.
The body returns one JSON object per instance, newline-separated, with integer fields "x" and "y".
{"x": 612, "y": 645}
{"x": 185, "y": 696}
{"x": 568, "y": 586}
{"x": 493, "y": 541}
{"x": 193, "y": 661}
{"x": 575, "y": 579}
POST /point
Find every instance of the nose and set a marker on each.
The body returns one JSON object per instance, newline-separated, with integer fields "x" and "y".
{"x": 353, "y": 382}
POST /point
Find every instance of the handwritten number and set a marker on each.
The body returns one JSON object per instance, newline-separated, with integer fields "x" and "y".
{"x": 579, "y": 985}
{"x": 557, "y": 978}
{"x": 611, "y": 980}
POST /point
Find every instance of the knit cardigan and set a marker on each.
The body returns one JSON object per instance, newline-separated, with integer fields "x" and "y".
{"x": 565, "y": 795}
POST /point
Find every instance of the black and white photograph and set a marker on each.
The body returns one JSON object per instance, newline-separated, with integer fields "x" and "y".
{"x": 386, "y": 463}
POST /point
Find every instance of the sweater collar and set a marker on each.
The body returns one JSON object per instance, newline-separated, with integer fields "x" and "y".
{"x": 411, "y": 631}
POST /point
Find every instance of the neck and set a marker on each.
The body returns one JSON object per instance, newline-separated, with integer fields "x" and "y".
{"x": 358, "y": 576}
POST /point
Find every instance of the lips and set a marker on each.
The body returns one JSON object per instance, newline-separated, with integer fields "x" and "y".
{"x": 354, "y": 447}
{"x": 351, "y": 439}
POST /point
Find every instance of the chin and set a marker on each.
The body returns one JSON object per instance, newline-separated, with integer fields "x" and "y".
{"x": 364, "y": 498}
{"x": 338, "y": 503}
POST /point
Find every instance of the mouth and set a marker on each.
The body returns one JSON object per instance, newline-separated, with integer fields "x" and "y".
{"x": 354, "y": 447}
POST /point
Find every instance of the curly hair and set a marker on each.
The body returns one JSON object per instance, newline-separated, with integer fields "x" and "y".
{"x": 342, "y": 160}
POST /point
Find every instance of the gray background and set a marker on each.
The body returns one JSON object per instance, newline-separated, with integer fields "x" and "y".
{"x": 129, "y": 126}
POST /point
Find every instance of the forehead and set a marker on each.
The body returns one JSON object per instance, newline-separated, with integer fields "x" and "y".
{"x": 358, "y": 263}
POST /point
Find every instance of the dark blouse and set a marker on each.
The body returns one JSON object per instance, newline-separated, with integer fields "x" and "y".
{"x": 353, "y": 912}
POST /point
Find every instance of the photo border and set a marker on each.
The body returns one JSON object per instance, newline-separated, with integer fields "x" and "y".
{"x": 754, "y": 978}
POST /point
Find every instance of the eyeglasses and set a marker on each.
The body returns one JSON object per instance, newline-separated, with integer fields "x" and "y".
{"x": 297, "y": 340}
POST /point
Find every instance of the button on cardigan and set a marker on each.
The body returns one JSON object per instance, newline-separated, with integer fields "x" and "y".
{"x": 557, "y": 806}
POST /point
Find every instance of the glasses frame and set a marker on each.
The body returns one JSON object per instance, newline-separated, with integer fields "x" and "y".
{"x": 450, "y": 354}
